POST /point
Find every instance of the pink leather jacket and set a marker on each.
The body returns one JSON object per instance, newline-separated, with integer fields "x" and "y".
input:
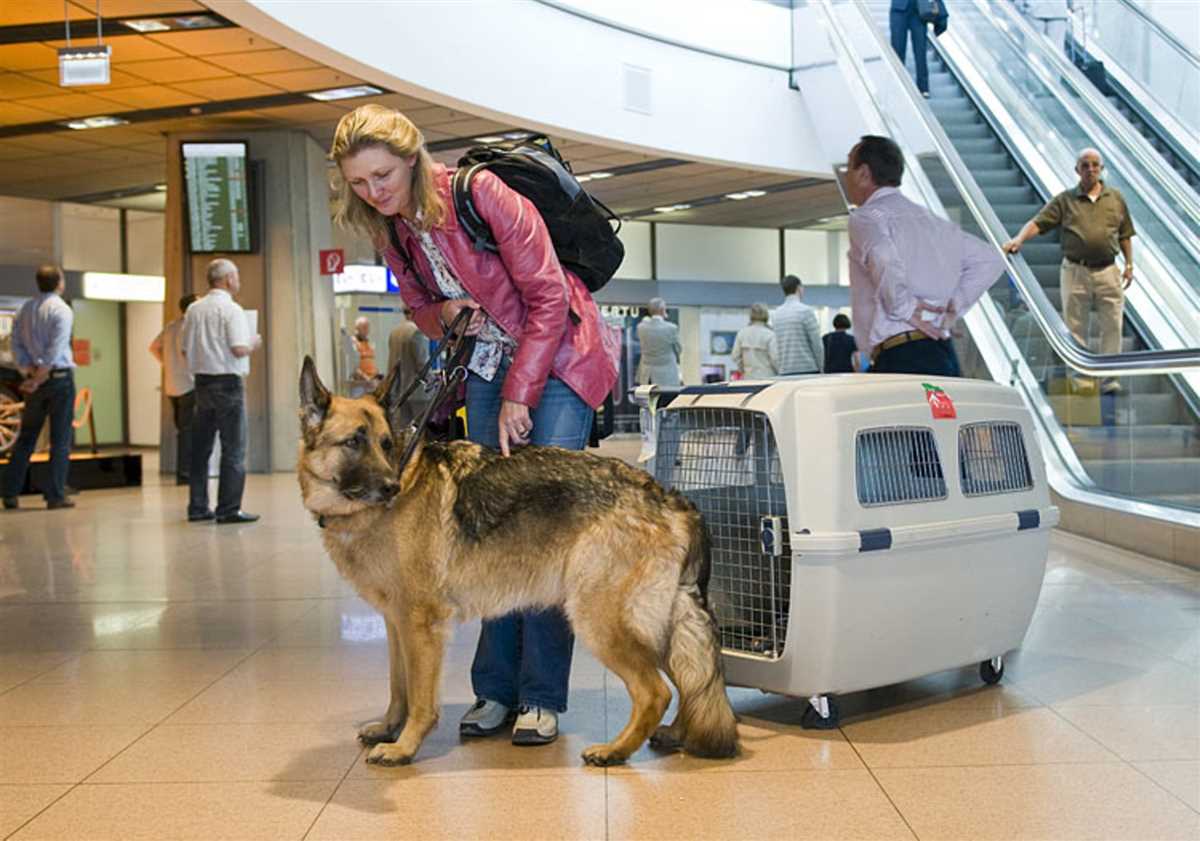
{"x": 523, "y": 288}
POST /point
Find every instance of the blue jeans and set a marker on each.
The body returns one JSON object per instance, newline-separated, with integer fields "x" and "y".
{"x": 220, "y": 410}
{"x": 922, "y": 357}
{"x": 903, "y": 24}
{"x": 55, "y": 398}
{"x": 524, "y": 658}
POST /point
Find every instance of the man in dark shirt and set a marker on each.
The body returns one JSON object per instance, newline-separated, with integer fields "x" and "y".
{"x": 1095, "y": 224}
{"x": 839, "y": 347}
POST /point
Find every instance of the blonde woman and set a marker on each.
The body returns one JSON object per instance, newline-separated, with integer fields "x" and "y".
{"x": 754, "y": 351}
{"x": 539, "y": 369}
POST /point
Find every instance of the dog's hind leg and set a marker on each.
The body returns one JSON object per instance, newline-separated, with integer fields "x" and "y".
{"x": 422, "y": 643}
{"x": 636, "y": 665}
{"x": 388, "y": 730}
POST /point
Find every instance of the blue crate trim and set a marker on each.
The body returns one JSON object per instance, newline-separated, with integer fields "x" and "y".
{"x": 1028, "y": 519}
{"x": 869, "y": 540}
{"x": 724, "y": 389}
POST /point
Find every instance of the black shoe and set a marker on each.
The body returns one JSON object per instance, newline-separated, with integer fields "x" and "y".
{"x": 11, "y": 503}
{"x": 182, "y": 480}
{"x": 239, "y": 517}
{"x": 200, "y": 518}
{"x": 59, "y": 503}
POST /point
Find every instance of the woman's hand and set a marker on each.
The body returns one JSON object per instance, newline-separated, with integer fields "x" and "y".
{"x": 515, "y": 425}
{"x": 451, "y": 309}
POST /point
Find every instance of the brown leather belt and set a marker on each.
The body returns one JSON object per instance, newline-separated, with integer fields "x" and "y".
{"x": 897, "y": 340}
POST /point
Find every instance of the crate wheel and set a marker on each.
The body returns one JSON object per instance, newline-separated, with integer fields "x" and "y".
{"x": 814, "y": 720}
{"x": 990, "y": 671}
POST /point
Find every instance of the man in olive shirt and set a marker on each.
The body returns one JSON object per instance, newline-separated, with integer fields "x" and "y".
{"x": 1095, "y": 224}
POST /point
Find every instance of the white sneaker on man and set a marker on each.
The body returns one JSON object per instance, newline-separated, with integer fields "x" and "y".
{"x": 484, "y": 718}
{"x": 535, "y": 726}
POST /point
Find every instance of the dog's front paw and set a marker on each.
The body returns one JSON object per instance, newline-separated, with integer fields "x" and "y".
{"x": 375, "y": 732}
{"x": 388, "y": 755}
{"x": 602, "y": 756}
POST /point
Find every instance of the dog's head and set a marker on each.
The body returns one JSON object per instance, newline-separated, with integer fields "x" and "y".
{"x": 349, "y": 450}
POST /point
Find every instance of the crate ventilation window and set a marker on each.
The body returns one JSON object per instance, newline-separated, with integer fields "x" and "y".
{"x": 726, "y": 462}
{"x": 992, "y": 459}
{"x": 897, "y": 465}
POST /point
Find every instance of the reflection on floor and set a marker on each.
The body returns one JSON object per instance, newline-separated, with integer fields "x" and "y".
{"x": 162, "y": 680}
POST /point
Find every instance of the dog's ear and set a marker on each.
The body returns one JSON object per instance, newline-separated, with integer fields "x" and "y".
{"x": 387, "y": 395}
{"x": 314, "y": 397}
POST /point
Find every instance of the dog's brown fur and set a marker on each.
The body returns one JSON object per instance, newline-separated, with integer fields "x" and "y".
{"x": 464, "y": 532}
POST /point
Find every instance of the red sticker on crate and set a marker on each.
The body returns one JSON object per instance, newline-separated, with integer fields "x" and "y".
{"x": 940, "y": 403}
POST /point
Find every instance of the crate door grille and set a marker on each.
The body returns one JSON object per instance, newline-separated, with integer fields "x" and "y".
{"x": 726, "y": 462}
{"x": 992, "y": 459}
{"x": 897, "y": 465}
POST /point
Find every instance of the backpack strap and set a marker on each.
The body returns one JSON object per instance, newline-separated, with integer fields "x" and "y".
{"x": 464, "y": 207}
{"x": 409, "y": 264}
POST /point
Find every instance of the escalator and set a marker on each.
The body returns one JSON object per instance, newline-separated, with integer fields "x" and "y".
{"x": 1143, "y": 442}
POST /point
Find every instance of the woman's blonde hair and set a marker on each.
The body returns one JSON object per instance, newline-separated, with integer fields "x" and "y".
{"x": 375, "y": 125}
{"x": 759, "y": 312}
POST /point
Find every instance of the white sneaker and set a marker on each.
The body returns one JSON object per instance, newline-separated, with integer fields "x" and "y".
{"x": 484, "y": 718}
{"x": 535, "y": 726}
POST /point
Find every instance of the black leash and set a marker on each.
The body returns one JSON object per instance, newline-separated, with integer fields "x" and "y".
{"x": 456, "y": 347}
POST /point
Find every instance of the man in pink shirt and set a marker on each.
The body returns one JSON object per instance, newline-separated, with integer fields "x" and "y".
{"x": 912, "y": 274}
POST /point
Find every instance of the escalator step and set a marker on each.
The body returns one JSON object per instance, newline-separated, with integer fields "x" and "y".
{"x": 1000, "y": 178}
{"x": 983, "y": 161}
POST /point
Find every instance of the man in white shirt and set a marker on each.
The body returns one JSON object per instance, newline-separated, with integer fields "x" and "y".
{"x": 797, "y": 333}
{"x": 217, "y": 343}
{"x": 912, "y": 274}
{"x": 660, "y": 347}
{"x": 179, "y": 388}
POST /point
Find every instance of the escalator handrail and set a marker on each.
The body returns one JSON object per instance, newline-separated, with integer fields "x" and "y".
{"x": 1131, "y": 363}
{"x": 1167, "y": 178}
{"x": 1180, "y": 47}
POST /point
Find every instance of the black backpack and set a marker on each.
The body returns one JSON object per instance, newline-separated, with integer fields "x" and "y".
{"x": 580, "y": 225}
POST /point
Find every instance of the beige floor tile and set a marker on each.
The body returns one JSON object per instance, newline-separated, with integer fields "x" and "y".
{"x": 1141, "y": 733}
{"x": 20, "y": 666}
{"x": 949, "y": 734}
{"x": 19, "y": 803}
{"x": 237, "y": 700}
{"x": 60, "y": 754}
{"x": 1180, "y": 778}
{"x": 347, "y": 621}
{"x": 71, "y": 626}
{"x": 340, "y": 663}
{"x": 571, "y": 806}
{"x": 195, "y": 668}
{"x": 1091, "y": 678}
{"x": 213, "y": 624}
{"x": 181, "y": 812}
{"x": 789, "y": 805}
{"x": 1103, "y": 802}
{"x": 200, "y": 753}
{"x": 80, "y": 703}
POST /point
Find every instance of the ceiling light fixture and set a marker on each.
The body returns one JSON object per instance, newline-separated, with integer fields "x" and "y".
{"x": 753, "y": 194}
{"x": 148, "y": 25}
{"x": 593, "y": 176}
{"x": 672, "y": 208}
{"x": 489, "y": 138}
{"x": 95, "y": 122}
{"x": 737, "y": 196}
{"x": 85, "y": 65}
{"x": 344, "y": 93}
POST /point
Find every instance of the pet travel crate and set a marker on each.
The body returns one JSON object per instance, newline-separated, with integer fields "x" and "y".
{"x": 866, "y": 530}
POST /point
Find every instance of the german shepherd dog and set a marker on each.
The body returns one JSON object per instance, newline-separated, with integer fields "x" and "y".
{"x": 462, "y": 532}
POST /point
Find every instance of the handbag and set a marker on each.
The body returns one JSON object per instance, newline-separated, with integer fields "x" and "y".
{"x": 929, "y": 10}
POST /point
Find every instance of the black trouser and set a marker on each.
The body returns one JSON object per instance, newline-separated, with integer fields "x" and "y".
{"x": 55, "y": 398}
{"x": 924, "y": 356}
{"x": 220, "y": 410}
{"x": 183, "y": 408}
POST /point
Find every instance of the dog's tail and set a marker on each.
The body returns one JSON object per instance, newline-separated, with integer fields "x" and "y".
{"x": 707, "y": 724}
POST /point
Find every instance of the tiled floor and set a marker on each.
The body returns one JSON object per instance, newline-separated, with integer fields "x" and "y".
{"x": 161, "y": 680}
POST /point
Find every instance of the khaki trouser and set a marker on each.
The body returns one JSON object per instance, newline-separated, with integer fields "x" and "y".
{"x": 1082, "y": 288}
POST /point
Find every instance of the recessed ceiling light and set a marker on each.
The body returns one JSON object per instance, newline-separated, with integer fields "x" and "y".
{"x": 672, "y": 208}
{"x": 594, "y": 176}
{"x": 145, "y": 25}
{"x": 344, "y": 93}
{"x": 489, "y": 138}
{"x": 95, "y": 122}
{"x": 737, "y": 196}
{"x": 162, "y": 188}
{"x": 753, "y": 194}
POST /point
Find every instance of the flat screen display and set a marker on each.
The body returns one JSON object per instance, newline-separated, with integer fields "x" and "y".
{"x": 218, "y": 196}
